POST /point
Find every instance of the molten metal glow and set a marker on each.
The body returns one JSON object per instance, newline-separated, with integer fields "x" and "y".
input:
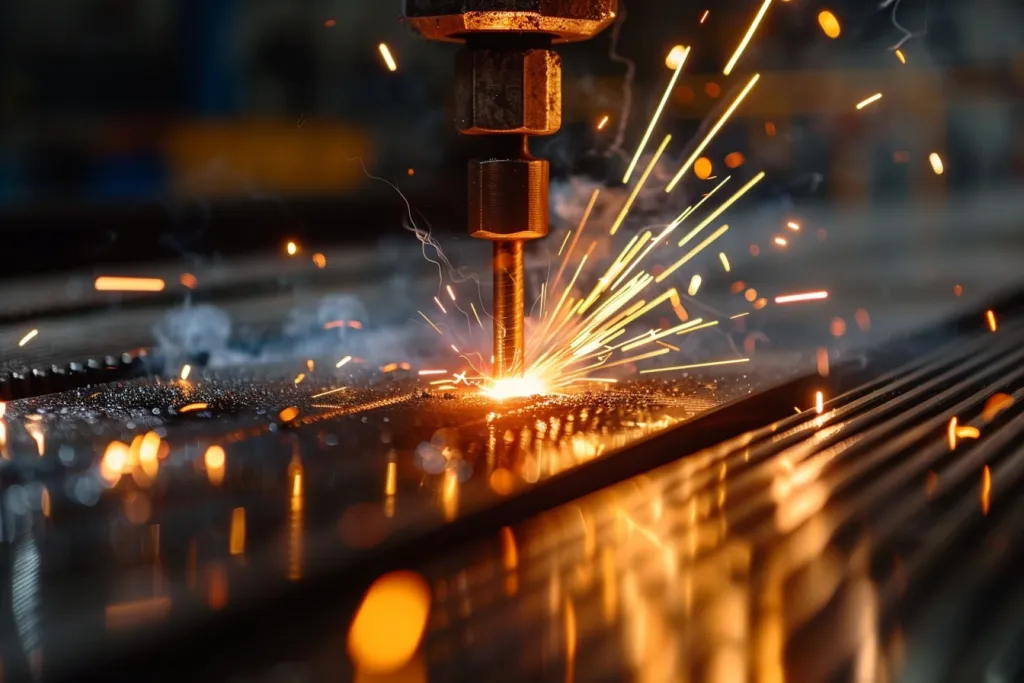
{"x": 515, "y": 387}
{"x": 107, "y": 283}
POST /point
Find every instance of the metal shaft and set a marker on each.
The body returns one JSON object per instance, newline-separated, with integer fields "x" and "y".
{"x": 509, "y": 300}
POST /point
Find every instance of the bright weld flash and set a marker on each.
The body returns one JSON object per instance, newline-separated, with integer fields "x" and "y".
{"x": 514, "y": 387}
{"x": 871, "y": 100}
{"x": 746, "y": 38}
{"x": 795, "y": 298}
{"x": 108, "y": 283}
{"x": 385, "y": 52}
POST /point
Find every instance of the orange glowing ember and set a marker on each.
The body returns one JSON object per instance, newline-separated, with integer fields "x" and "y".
{"x": 109, "y": 283}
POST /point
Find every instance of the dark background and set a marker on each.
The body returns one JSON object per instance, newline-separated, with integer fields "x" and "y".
{"x": 141, "y": 130}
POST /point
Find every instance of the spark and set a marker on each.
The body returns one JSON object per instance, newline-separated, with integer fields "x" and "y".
{"x": 292, "y": 248}
{"x": 476, "y": 315}
{"x": 110, "y": 283}
{"x": 188, "y": 280}
{"x": 343, "y": 361}
{"x": 289, "y": 413}
{"x": 829, "y": 24}
{"x": 704, "y": 16}
{"x": 746, "y": 38}
{"x": 951, "y": 433}
{"x": 781, "y": 241}
{"x": 936, "y": 161}
{"x": 451, "y": 292}
{"x": 694, "y": 285}
{"x": 694, "y": 366}
{"x": 900, "y": 56}
{"x": 603, "y": 122}
{"x": 440, "y": 305}
{"x": 805, "y": 296}
{"x": 795, "y": 227}
{"x": 299, "y": 377}
{"x": 28, "y": 337}
{"x": 819, "y": 402}
{"x": 711, "y": 134}
{"x": 426, "y": 373}
{"x": 654, "y": 119}
{"x": 675, "y": 57}
{"x": 639, "y": 186}
{"x": 385, "y": 52}
{"x": 693, "y": 252}
{"x": 328, "y": 393}
{"x": 990, "y": 318}
{"x": 192, "y": 407}
{"x": 968, "y": 432}
{"x": 431, "y": 323}
{"x": 739, "y": 315}
{"x": 186, "y": 370}
{"x": 871, "y": 100}
{"x": 725, "y": 261}
{"x": 319, "y": 260}
{"x": 995, "y": 404}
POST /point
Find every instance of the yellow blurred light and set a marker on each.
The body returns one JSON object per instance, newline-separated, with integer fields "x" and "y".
{"x": 936, "y": 161}
{"x": 702, "y": 168}
{"x": 292, "y": 248}
{"x": 514, "y": 387}
{"x": 829, "y": 24}
{"x": 675, "y": 57}
{"x": 389, "y": 623}
{"x": 389, "y": 60}
{"x": 108, "y": 283}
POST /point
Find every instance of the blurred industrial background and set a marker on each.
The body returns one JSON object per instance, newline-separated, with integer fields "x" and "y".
{"x": 139, "y": 118}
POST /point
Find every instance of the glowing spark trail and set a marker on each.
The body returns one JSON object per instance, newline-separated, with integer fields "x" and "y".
{"x": 28, "y": 337}
{"x": 603, "y": 122}
{"x": 693, "y": 252}
{"x": 694, "y": 366}
{"x": 794, "y": 298}
{"x": 450, "y": 292}
{"x": 990, "y": 318}
{"x": 389, "y": 60}
{"x": 639, "y": 186}
{"x": 431, "y": 323}
{"x": 108, "y": 283}
{"x": 871, "y": 100}
{"x": 725, "y": 261}
{"x": 694, "y": 285}
{"x": 328, "y": 393}
{"x": 711, "y": 134}
{"x": 936, "y": 161}
{"x": 440, "y": 305}
{"x": 746, "y": 39}
{"x": 343, "y": 361}
{"x": 723, "y": 208}
{"x": 657, "y": 115}
{"x": 186, "y": 370}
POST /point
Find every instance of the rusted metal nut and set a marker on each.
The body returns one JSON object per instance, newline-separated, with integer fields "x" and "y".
{"x": 563, "y": 20}
{"x": 508, "y": 92}
{"x": 508, "y": 199}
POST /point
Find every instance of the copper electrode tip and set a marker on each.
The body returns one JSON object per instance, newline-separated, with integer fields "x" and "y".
{"x": 509, "y": 87}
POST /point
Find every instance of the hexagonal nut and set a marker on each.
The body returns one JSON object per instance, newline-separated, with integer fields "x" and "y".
{"x": 563, "y": 20}
{"x": 508, "y": 92}
{"x": 508, "y": 199}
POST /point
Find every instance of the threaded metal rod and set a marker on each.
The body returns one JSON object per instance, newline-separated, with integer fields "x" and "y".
{"x": 509, "y": 301}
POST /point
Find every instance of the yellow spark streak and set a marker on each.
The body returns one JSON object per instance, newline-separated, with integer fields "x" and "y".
{"x": 567, "y": 290}
{"x": 342, "y": 362}
{"x": 722, "y": 209}
{"x": 191, "y": 407}
{"x": 565, "y": 242}
{"x": 28, "y": 337}
{"x": 746, "y": 39}
{"x": 739, "y": 315}
{"x": 819, "y": 402}
{"x": 901, "y": 57}
{"x": 603, "y": 122}
{"x": 795, "y": 227}
{"x": 968, "y": 432}
{"x": 704, "y": 16}
{"x": 624, "y": 361}
{"x": 725, "y": 261}
{"x": 711, "y": 134}
{"x": 806, "y": 296}
{"x": 299, "y": 377}
{"x": 668, "y": 346}
{"x": 109, "y": 283}
{"x": 781, "y": 241}
{"x": 438, "y": 302}
{"x": 695, "y": 366}
{"x": 986, "y": 489}
{"x": 639, "y": 186}
{"x": 476, "y": 315}
{"x": 430, "y": 323}
{"x": 328, "y": 393}
{"x": 455, "y": 348}
{"x": 697, "y": 327}
{"x": 629, "y": 346}
{"x": 951, "y": 433}
{"x": 613, "y": 270}
{"x": 576, "y": 239}
{"x": 186, "y": 370}
{"x": 694, "y": 285}
{"x": 693, "y": 252}
{"x": 936, "y": 161}
{"x": 990, "y": 317}
{"x": 450, "y": 292}
{"x": 388, "y": 59}
{"x": 657, "y": 115}
{"x": 871, "y": 100}
{"x": 424, "y": 373}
